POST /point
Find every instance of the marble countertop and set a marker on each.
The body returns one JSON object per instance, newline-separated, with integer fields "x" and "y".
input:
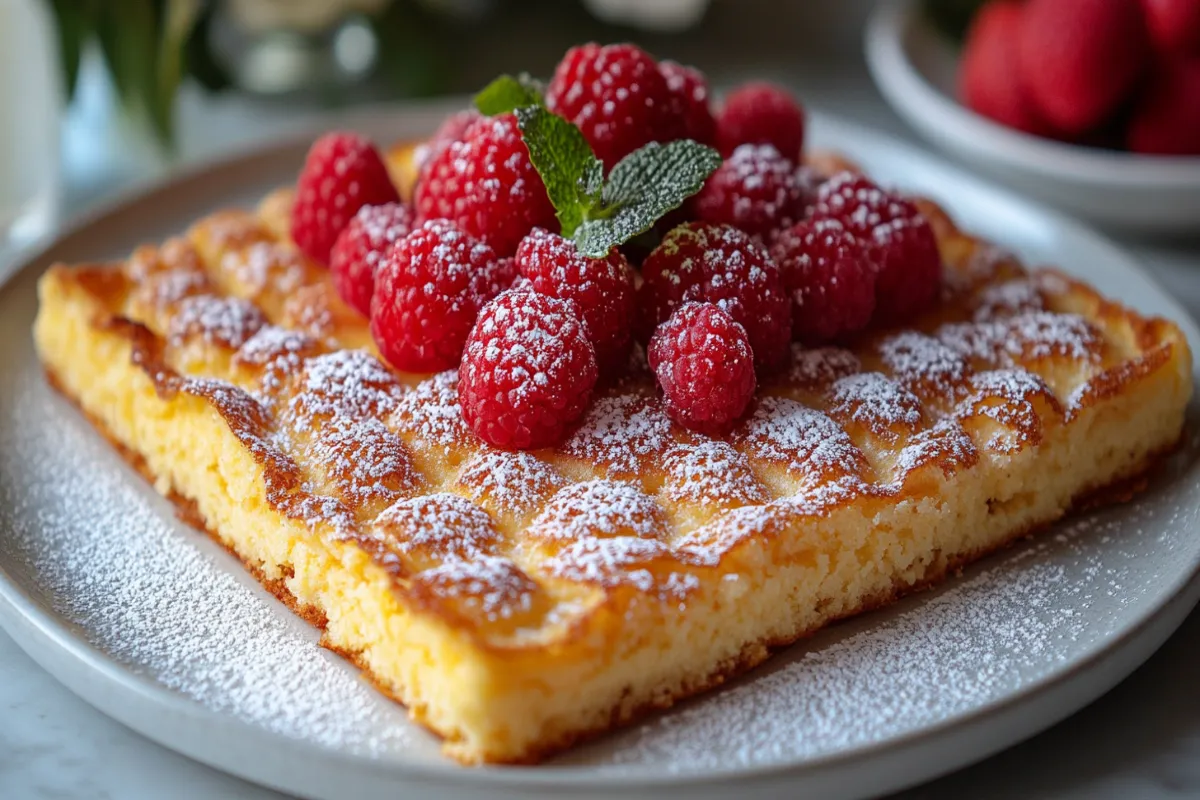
{"x": 1141, "y": 740}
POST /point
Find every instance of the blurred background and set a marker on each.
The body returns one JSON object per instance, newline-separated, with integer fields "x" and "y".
{"x": 95, "y": 94}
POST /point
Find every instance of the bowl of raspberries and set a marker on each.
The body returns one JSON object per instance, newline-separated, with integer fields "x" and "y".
{"x": 611, "y": 229}
{"x": 1090, "y": 105}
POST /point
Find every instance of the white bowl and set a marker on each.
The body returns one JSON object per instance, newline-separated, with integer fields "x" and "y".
{"x": 916, "y": 69}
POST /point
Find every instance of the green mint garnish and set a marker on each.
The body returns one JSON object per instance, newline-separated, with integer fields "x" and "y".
{"x": 507, "y": 93}
{"x": 642, "y": 187}
{"x": 572, "y": 173}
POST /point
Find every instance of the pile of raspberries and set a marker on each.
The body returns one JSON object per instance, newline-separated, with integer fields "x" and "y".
{"x": 472, "y": 274}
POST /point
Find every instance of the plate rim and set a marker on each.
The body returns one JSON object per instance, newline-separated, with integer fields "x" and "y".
{"x": 19, "y": 611}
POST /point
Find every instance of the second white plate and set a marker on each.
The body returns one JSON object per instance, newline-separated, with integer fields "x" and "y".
{"x": 916, "y": 69}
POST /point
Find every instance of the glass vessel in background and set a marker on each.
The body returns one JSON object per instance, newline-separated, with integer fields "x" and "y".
{"x": 30, "y": 105}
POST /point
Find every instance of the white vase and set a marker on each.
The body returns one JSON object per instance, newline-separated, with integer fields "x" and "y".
{"x": 30, "y": 109}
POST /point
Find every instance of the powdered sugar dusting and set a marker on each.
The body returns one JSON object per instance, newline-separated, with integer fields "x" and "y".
{"x": 509, "y": 483}
{"x": 226, "y": 321}
{"x": 619, "y": 432}
{"x": 876, "y": 403}
{"x": 711, "y": 473}
{"x": 1029, "y": 336}
{"x": 490, "y": 586}
{"x": 803, "y": 440}
{"x": 599, "y": 508}
{"x": 430, "y": 414}
{"x": 435, "y": 527}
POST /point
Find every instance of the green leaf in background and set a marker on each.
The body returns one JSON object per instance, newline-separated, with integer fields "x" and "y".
{"x": 507, "y": 93}
{"x": 642, "y": 188}
{"x": 572, "y": 173}
{"x": 75, "y": 20}
{"x": 179, "y": 18}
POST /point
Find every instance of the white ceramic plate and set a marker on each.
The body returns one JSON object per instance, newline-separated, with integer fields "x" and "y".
{"x": 916, "y": 70}
{"x": 160, "y": 628}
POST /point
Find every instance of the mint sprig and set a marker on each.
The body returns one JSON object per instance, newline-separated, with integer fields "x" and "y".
{"x": 507, "y": 93}
{"x": 642, "y": 188}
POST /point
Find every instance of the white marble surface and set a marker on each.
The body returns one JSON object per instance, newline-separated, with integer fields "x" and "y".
{"x": 1142, "y": 740}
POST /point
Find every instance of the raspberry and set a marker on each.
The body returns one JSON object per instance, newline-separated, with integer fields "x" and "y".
{"x": 601, "y": 288}
{"x": 1079, "y": 60}
{"x": 759, "y": 113}
{"x": 756, "y": 189}
{"x": 452, "y": 129}
{"x": 342, "y": 173}
{"x": 1166, "y": 119}
{"x": 703, "y": 363}
{"x": 722, "y": 265}
{"x": 360, "y": 248}
{"x": 988, "y": 79}
{"x": 1174, "y": 25}
{"x": 487, "y": 186}
{"x": 910, "y": 268}
{"x": 830, "y": 274}
{"x": 615, "y": 94}
{"x": 688, "y": 114}
{"x": 527, "y": 372}
{"x": 428, "y": 291}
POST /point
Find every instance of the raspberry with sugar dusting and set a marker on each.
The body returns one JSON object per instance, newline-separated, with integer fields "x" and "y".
{"x": 342, "y": 173}
{"x": 601, "y": 288}
{"x": 428, "y": 292}
{"x": 615, "y": 94}
{"x": 756, "y": 189}
{"x": 830, "y": 274}
{"x": 761, "y": 113}
{"x": 453, "y": 129}
{"x": 718, "y": 264}
{"x": 910, "y": 268}
{"x": 361, "y": 248}
{"x": 703, "y": 362}
{"x": 528, "y": 371}
{"x": 688, "y": 113}
{"x": 486, "y": 185}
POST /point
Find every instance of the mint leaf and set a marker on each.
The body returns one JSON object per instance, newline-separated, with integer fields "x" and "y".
{"x": 572, "y": 173}
{"x": 642, "y": 187}
{"x": 507, "y": 93}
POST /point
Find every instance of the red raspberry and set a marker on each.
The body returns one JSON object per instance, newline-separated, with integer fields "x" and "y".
{"x": 452, "y": 129}
{"x": 756, "y": 189}
{"x": 703, "y": 363}
{"x": 487, "y": 186}
{"x": 601, "y": 288}
{"x": 1166, "y": 119}
{"x": 718, "y": 264}
{"x": 527, "y": 372}
{"x": 910, "y": 267}
{"x": 361, "y": 247}
{"x": 615, "y": 94}
{"x": 1080, "y": 59}
{"x": 343, "y": 173}
{"x": 688, "y": 116}
{"x": 428, "y": 291}
{"x": 988, "y": 79}
{"x": 1174, "y": 25}
{"x": 830, "y": 274}
{"x": 760, "y": 113}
